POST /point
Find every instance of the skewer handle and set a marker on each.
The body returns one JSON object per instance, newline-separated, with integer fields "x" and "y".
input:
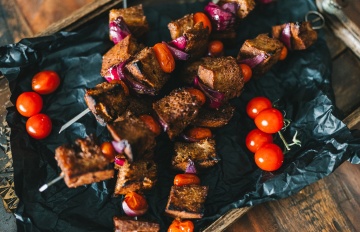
{"x": 45, "y": 186}
{"x": 124, "y": 4}
{"x": 74, "y": 119}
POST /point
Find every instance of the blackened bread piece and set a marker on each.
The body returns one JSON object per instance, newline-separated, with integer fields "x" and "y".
{"x": 119, "y": 53}
{"x": 202, "y": 153}
{"x": 222, "y": 74}
{"x": 196, "y": 41}
{"x": 137, "y": 176}
{"x": 176, "y": 111}
{"x": 136, "y": 133}
{"x": 134, "y": 18}
{"x": 302, "y": 34}
{"x": 107, "y": 101}
{"x": 214, "y": 118}
{"x": 128, "y": 224}
{"x": 83, "y": 162}
{"x": 269, "y": 48}
{"x": 186, "y": 202}
{"x": 245, "y": 6}
{"x": 178, "y": 27}
{"x": 146, "y": 69}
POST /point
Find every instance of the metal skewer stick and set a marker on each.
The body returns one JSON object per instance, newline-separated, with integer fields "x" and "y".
{"x": 124, "y": 4}
{"x": 74, "y": 119}
{"x": 47, "y": 185}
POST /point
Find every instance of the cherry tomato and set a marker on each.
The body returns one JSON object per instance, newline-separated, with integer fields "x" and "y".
{"x": 164, "y": 57}
{"x": 151, "y": 124}
{"x": 135, "y": 201}
{"x": 29, "y": 104}
{"x": 181, "y": 226}
{"x": 199, "y": 133}
{"x": 108, "y": 150}
{"x": 201, "y": 17}
{"x": 269, "y": 157}
{"x": 256, "y": 105}
{"x": 256, "y": 139}
{"x": 45, "y": 82}
{"x": 246, "y": 72}
{"x": 215, "y": 48}
{"x": 270, "y": 121}
{"x": 39, "y": 126}
{"x": 200, "y": 96}
{"x": 186, "y": 179}
{"x": 283, "y": 53}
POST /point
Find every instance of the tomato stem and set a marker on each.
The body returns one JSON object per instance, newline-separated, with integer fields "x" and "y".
{"x": 295, "y": 141}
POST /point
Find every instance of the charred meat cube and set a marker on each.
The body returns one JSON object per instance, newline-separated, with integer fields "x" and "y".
{"x": 178, "y": 27}
{"x": 302, "y": 34}
{"x": 83, "y": 163}
{"x": 202, "y": 153}
{"x": 186, "y": 201}
{"x": 107, "y": 101}
{"x": 245, "y": 6}
{"x": 176, "y": 111}
{"x": 134, "y": 18}
{"x": 127, "y": 224}
{"x": 222, "y": 74}
{"x": 268, "y": 48}
{"x": 196, "y": 41}
{"x": 136, "y": 176}
{"x": 138, "y": 136}
{"x": 119, "y": 53}
{"x": 146, "y": 69}
{"x": 214, "y": 118}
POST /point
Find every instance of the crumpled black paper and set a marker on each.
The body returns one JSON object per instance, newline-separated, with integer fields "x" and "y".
{"x": 300, "y": 85}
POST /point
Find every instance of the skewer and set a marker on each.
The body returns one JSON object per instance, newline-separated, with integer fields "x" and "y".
{"x": 45, "y": 186}
{"x": 124, "y": 4}
{"x": 74, "y": 119}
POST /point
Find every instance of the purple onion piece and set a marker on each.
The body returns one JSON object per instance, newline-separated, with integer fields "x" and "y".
{"x": 115, "y": 71}
{"x": 179, "y": 43}
{"x": 188, "y": 138}
{"x": 214, "y": 97}
{"x": 123, "y": 146}
{"x": 285, "y": 36}
{"x": 118, "y": 30}
{"x": 221, "y": 19}
{"x": 190, "y": 168}
{"x": 253, "y": 61}
{"x": 266, "y": 1}
{"x": 177, "y": 53}
{"x": 119, "y": 161}
{"x": 231, "y": 7}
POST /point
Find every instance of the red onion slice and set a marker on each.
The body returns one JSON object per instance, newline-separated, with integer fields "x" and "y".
{"x": 177, "y": 53}
{"x": 221, "y": 19}
{"x": 215, "y": 98}
{"x": 231, "y": 7}
{"x": 133, "y": 213}
{"x": 123, "y": 146}
{"x": 190, "y": 168}
{"x": 266, "y": 1}
{"x": 179, "y": 42}
{"x": 119, "y": 161}
{"x": 285, "y": 36}
{"x": 118, "y": 30}
{"x": 253, "y": 61}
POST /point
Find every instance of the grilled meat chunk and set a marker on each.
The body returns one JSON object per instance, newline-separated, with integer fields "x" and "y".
{"x": 222, "y": 74}
{"x": 119, "y": 53}
{"x": 262, "y": 45}
{"x": 245, "y": 6}
{"x": 134, "y": 18}
{"x": 214, "y": 118}
{"x": 131, "y": 129}
{"x": 178, "y": 27}
{"x": 176, "y": 111}
{"x": 186, "y": 201}
{"x": 302, "y": 34}
{"x": 196, "y": 41}
{"x": 107, "y": 101}
{"x": 83, "y": 163}
{"x": 136, "y": 176}
{"x": 202, "y": 153}
{"x": 127, "y": 224}
{"x": 146, "y": 69}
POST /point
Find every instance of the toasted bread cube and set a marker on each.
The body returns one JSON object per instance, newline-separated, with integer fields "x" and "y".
{"x": 178, "y": 27}
{"x": 123, "y": 224}
{"x": 197, "y": 41}
{"x": 214, "y": 118}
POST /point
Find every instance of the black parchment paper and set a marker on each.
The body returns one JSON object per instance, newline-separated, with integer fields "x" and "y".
{"x": 300, "y": 85}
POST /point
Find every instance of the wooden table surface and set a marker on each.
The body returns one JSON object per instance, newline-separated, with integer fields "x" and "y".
{"x": 331, "y": 204}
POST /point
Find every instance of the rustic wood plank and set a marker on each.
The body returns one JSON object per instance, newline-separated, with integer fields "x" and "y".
{"x": 353, "y": 119}
{"x": 336, "y": 46}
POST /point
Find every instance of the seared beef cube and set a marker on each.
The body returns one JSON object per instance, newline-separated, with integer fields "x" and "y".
{"x": 146, "y": 69}
{"x": 136, "y": 176}
{"x": 196, "y": 41}
{"x": 178, "y": 27}
{"x": 262, "y": 45}
{"x": 127, "y": 224}
{"x": 83, "y": 163}
{"x": 119, "y": 53}
{"x": 176, "y": 111}
{"x": 222, "y": 74}
{"x": 189, "y": 71}
{"x": 214, "y": 118}
{"x": 245, "y": 6}
{"x": 134, "y": 18}
{"x": 107, "y": 101}
{"x": 202, "y": 153}
{"x": 137, "y": 135}
{"x": 302, "y": 34}
{"x": 186, "y": 202}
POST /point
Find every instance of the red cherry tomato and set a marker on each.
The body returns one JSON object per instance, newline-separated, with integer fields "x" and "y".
{"x": 45, "y": 82}
{"x": 256, "y": 139}
{"x": 256, "y": 105}
{"x": 39, "y": 126}
{"x": 108, "y": 150}
{"x": 29, "y": 104}
{"x": 186, "y": 179}
{"x": 270, "y": 121}
{"x": 181, "y": 226}
{"x": 269, "y": 157}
